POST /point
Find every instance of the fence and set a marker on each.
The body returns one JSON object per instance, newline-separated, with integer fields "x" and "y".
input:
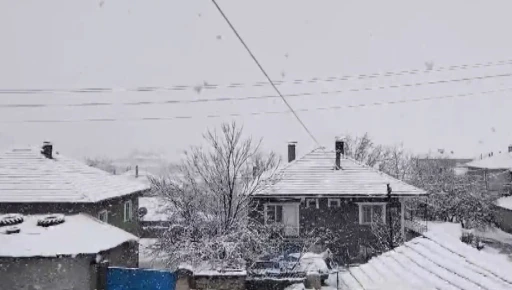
{"x": 139, "y": 279}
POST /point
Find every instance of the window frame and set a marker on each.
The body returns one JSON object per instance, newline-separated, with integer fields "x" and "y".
{"x": 128, "y": 217}
{"x": 103, "y": 212}
{"x": 372, "y": 204}
{"x": 337, "y": 200}
{"x": 308, "y": 199}
{"x": 275, "y": 213}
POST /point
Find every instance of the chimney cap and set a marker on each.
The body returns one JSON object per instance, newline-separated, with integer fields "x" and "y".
{"x": 340, "y": 138}
{"x": 292, "y": 142}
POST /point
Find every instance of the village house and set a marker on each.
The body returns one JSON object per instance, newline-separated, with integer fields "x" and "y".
{"x": 495, "y": 169}
{"x": 41, "y": 181}
{"x": 59, "y": 251}
{"x": 445, "y": 160}
{"x": 326, "y": 189}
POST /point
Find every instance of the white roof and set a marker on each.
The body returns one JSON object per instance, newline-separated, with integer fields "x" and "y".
{"x": 27, "y": 176}
{"x": 314, "y": 174}
{"x": 505, "y": 202}
{"x": 498, "y": 161}
{"x": 157, "y": 210}
{"x": 431, "y": 262}
{"x": 79, "y": 234}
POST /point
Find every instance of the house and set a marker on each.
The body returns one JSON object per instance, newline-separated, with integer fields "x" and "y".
{"x": 140, "y": 175}
{"x": 495, "y": 169}
{"x": 444, "y": 160}
{"x": 60, "y": 251}
{"x": 503, "y": 213}
{"x": 40, "y": 181}
{"x": 327, "y": 190}
{"x": 154, "y": 216}
{"x": 432, "y": 261}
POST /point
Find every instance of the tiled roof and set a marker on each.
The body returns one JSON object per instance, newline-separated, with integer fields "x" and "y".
{"x": 498, "y": 161}
{"x": 431, "y": 262}
{"x": 78, "y": 234}
{"x": 315, "y": 174}
{"x": 27, "y": 176}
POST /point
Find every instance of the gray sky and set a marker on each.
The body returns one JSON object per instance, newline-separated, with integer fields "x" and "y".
{"x": 73, "y": 44}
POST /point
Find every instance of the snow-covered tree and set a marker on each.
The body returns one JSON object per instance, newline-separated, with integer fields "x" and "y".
{"x": 210, "y": 196}
{"x": 104, "y": 164}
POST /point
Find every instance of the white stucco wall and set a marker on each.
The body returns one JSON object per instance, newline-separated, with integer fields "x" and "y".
{"x": 45, "y": 273}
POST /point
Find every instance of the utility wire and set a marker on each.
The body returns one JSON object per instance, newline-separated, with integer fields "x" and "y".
{"x": 207, "y": 86}
{"x": 230, "y": 99}
{"x": 362, "y": 105}
{"x": 263, "y": 71}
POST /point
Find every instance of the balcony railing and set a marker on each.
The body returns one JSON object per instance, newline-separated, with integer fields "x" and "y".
{"x": 416, "y": 226}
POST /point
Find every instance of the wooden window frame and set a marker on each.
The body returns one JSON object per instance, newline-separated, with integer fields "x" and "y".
{"x": 337, "y": 200}
{"x": 105, "y": 212}
{"x": 129, "y": 217}
{"x": 266, "y": 213}
{"x": 317, "y": 204}
{"x": 361, "y": 204}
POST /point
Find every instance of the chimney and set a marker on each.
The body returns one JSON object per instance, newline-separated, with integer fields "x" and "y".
{"x": 47, "y": 150}
{"x": 340, "y": 150}
{"x": 510, "y": 148}
{"x": 136, "y": 171}
{"x": 291, "y": 151}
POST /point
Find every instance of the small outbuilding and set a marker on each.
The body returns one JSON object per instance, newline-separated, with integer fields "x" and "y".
{"x": 60, "y": 251}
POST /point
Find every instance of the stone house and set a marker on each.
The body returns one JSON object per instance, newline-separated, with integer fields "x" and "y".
{"x": 60, "y": 251}
{"x": 40, "y": 181}
{"x": 325, "y": 189}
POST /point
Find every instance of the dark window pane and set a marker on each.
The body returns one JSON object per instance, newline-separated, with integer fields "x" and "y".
{"x": 279, "y": 213}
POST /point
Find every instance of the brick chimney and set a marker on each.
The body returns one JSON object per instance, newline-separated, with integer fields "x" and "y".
{"x": 47, "y": 150}
{"x": 340, "y": 151}
{"x": 292, "y": 151}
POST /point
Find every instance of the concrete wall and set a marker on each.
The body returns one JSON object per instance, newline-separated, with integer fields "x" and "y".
{"x": 46, "y": 273}
{"x": 114, "y": 206}
{"x": 62, "y": 273}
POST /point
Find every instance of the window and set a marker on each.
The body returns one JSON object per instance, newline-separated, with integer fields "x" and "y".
{"x": 274, "y": 214}
{"x": 333, "y": 202}
{"x": 103, "y": 216}
{"x": 128, "y": 211}
{"x": 372, "y": 212}
{"x": 311, "y": 202}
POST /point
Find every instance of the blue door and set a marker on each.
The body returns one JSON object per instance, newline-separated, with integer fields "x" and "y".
{"x": 140, "y": 279}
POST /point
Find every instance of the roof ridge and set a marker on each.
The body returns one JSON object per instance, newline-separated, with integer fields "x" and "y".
{"x": 383, "y": 173}
{"x": 357, "y": 162}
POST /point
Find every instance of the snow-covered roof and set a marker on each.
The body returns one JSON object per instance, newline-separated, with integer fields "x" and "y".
{"x": 431, "y": 262}
{"x": 498, "y": 161}
{"x": 78, "y": 234}
{"x": 26, "y": 175}
{"x": 505, "y": 202}
{"x": 143, "y": 175}
{"x": 157, "y": 211}
{"x": 315, "y": 174}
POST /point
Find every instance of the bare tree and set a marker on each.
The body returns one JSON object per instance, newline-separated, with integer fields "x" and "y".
{"x": 104, "y": 164}
{"x": 210, "y": 198}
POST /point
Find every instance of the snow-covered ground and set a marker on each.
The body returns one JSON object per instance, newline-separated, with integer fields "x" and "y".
{"x": 497, "y": 242}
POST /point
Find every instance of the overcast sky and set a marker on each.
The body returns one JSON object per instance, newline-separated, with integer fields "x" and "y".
{"x": 126, "y": 43}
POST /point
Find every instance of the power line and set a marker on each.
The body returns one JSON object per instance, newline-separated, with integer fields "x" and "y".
{"x": 362, "y": 105}
{"x": 263, "y": 71}
{"x": 207, "y": 86}
{"x": 225, "y": 99}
